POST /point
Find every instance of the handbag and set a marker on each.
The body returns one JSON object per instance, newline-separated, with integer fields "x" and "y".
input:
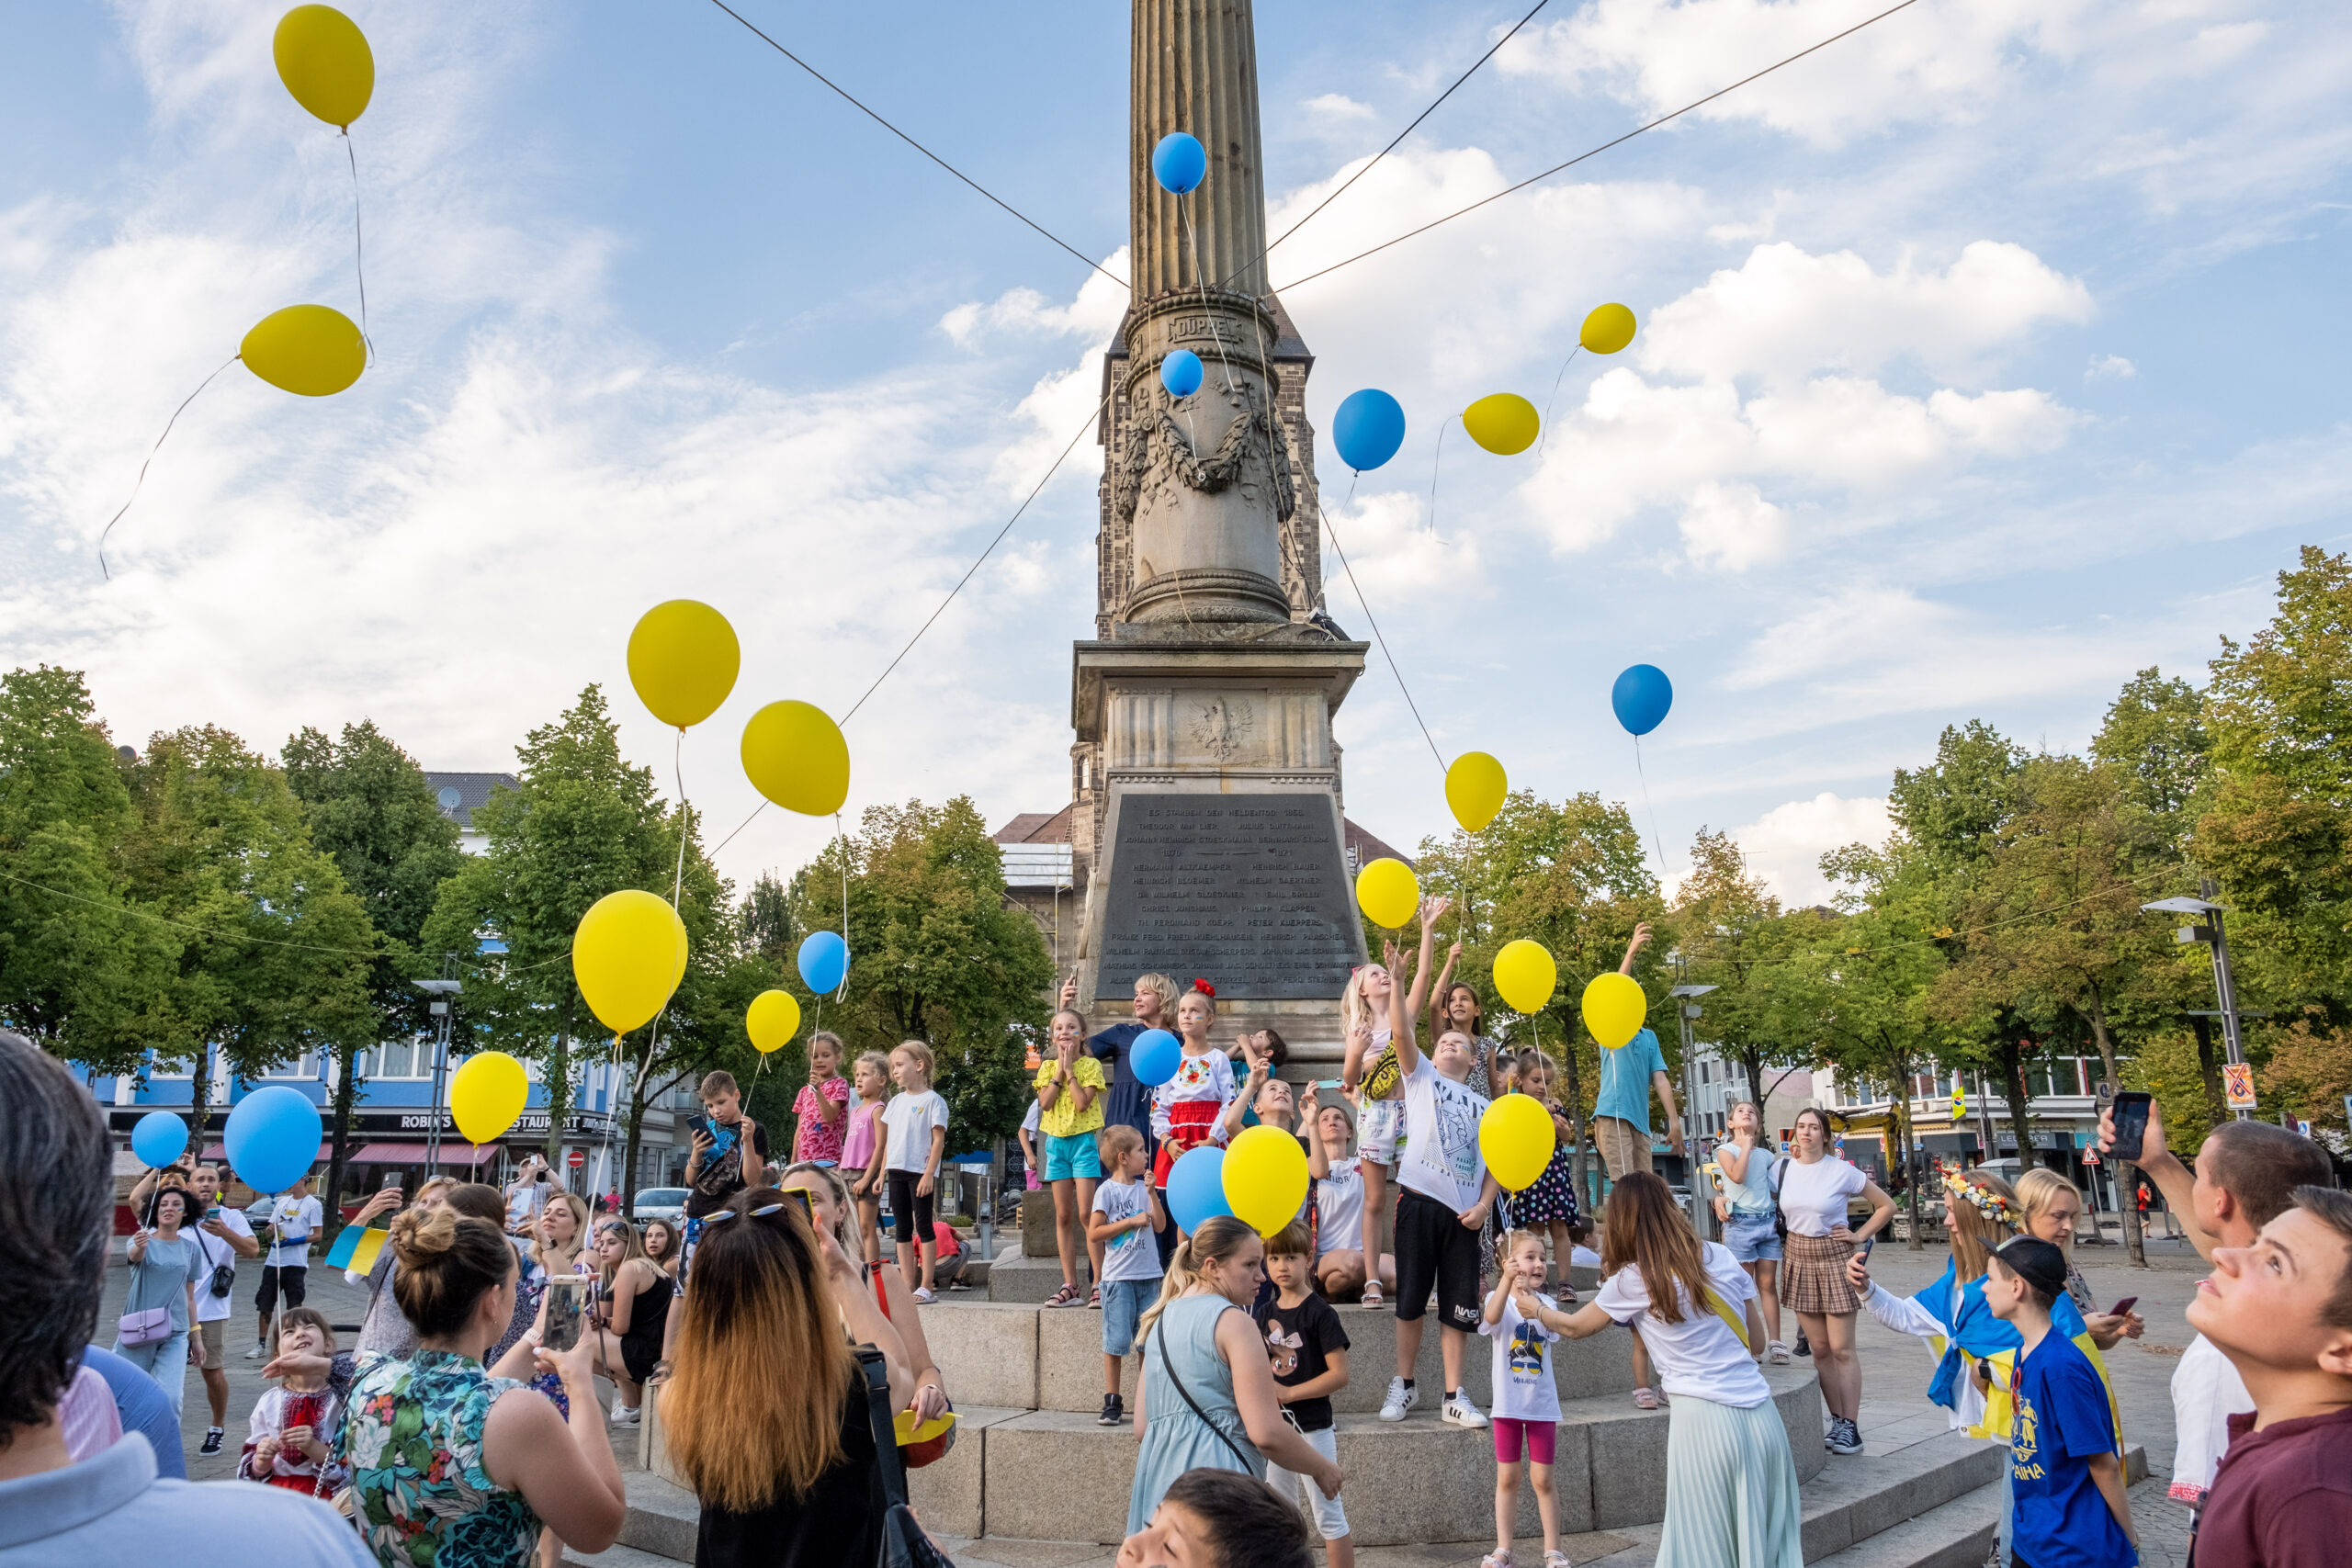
{"x": 1779, "y": 1220}
{"x": 144, "y": 1328}
{"x": 224, "y": 1275}
{"x": 930, "y": 1449}
{"x": 904, "y": 1542}
{"x": 1160, "y": 1338}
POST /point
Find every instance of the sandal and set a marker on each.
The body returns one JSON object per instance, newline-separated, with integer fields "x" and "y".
{"x": 1495, "y": 1560}
{"x": 1777, "y": 1353}
{"x": 1557, "y": 1559}
{"x": 1065, "y": 1296}
{"x": 1372, "y": 1302}
{"x": 1646, "y": 1399}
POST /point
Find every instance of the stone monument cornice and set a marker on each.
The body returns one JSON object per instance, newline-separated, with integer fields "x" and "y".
{"x": 1323, "y": 666}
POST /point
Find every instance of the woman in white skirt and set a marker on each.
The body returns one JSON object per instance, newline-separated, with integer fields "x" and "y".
{"x": 1731, "y": 1486}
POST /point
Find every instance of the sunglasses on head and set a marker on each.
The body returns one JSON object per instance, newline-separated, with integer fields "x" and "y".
{"x": 797, "y": 1196}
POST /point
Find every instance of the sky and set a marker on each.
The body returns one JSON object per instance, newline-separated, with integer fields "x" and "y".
{"x": 1986, "y": 357}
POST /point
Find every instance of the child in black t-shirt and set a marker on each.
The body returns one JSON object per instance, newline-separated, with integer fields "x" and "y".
{"x": 1310, "y": 1350}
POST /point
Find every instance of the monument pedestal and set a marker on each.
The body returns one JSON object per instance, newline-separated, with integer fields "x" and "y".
{"x": 1219, "y": 849}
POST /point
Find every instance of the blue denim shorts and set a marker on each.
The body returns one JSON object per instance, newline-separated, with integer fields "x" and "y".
{"x": 1750, "y": 1238}
{"x": 1123, "y": 1302}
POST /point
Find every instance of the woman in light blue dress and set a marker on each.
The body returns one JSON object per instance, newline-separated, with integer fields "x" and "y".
{"x": 166, "y": 1267}
{"x": 1198, "y": 1340}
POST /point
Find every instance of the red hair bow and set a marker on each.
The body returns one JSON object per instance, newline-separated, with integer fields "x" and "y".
{"x": 1205, "y": 988}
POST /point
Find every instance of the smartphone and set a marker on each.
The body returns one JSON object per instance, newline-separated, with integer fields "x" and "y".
{"x": 2131, "y": 1126}
{"x": 2126, "y": 1304}
{"x": 567, "y": 1304}
{"x": 1867, "y": 1245}
{"x": 391, "y": 1179}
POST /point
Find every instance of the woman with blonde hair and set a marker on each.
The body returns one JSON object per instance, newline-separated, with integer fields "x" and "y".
{"x": 767, "y": 1412}
{"x": 1207, "y": 1396}
{"x": 884, "y": 1283}
{"x": 2051, "y": 1205}
{"x": 632, "y": 1310}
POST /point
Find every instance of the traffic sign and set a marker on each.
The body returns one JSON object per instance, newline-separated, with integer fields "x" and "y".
{"x": 2237, "y": 1083}
{"x": 576, "y": 1158}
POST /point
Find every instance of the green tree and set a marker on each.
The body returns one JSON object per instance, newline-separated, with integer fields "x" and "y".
{"x": 83, "y": 969}
{"x": 274, "y": 950}
{"x": 370, "y": 810}
{"x": 1952, "y": 808}
{"x": 1730, "y": 930}
{"x": 937, "y": 953}
{"x": 2155, "y": 734}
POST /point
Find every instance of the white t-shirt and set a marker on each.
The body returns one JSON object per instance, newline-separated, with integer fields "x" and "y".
{"x": 1813, "y": 1196}
{"x": 2206, "y": 1391}
{"x": 297, "y": 1223}
{"x": 525, "y": 1201}
{"x": 1029, "y": 1123}
{"x": 907, "y": 1121}
{"x": 210, "y": 1308}
{"x": 1130, "y": 1254}
{"x": 1698, "y": 1357}
{"x": 1339, "y": 1208}
{"x": 1583, "y": 1258}
{"x": 1524, "y": 1389}
{"x": 1440, "y": 1158}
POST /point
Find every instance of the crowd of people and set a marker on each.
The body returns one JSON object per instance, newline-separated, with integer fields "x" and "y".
{"x": 468, "y": 1423}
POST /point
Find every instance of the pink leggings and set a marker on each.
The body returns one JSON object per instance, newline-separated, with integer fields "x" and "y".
{"x": 1507, "y": 1433}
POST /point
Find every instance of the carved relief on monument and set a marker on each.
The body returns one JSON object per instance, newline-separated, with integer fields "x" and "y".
{"x": 1159, "y": 452}
{"x": 1255, "y": 730}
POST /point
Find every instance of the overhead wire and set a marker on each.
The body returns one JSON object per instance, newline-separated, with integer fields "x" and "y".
{"x": 1333, "y": 534}
{"x": 871, "y": 114}
{"x": 1617, "y": 141}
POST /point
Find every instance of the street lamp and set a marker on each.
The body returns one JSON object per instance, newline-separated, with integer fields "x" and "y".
{"x": 2210, "y": 933}
{"x": 440, "y": 991}
{"x": 1702, "y": 1213}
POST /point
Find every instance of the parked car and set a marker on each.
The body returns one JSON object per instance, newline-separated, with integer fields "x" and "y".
{"x": 662, "y": 1204}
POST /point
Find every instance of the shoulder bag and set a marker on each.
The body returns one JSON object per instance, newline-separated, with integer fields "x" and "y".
{"x": 904, "y": 1542}
{"x": 224, "y": 1275}
{"x": 1779, "y": 1220}
{"x": 1159, "y": 1338}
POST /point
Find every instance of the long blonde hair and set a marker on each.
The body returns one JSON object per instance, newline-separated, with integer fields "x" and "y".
{"x": 1214, "y": 1242}
{"x": 632, "y": 1249}
{"x": 1355, "y": 1010}
{"x": 580, "y": 1236}
{"x": 753, "y": 1408}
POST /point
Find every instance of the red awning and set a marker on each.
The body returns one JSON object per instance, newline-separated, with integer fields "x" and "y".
{"x": 453, "y": 1153}
{"x": 217, "y": 1151}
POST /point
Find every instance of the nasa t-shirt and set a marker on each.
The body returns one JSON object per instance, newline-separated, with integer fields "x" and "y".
{"x": 1522, "y": 1373}
{"x": 1300, "y": 1342}
{"x": 1441, "y": 1158}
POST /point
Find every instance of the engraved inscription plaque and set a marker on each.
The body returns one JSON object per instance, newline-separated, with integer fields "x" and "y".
{"x": 1250, "y": 892}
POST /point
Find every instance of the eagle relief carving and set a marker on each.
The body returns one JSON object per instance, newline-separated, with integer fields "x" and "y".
{"x": 1221, "y": 726}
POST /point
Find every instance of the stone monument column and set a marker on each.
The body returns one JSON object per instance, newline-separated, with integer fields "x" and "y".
{"x": 1208, "y": 814}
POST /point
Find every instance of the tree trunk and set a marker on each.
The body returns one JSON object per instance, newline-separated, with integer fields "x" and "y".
{"x": 199, "y": 1102}
{"x": 1574, "y": 1100}
{"x": 559, "y": 1087}
{"x": 346, "y": 1094}
{"x": 1751, "y": 1062}
{"x": 2124, "y": 1192}
{"x": 2013, "y": 1090}
{"x": 627, "y": 1188}
{"x": 2217, "y": 1108}
{"x": 1902, "y": 1107}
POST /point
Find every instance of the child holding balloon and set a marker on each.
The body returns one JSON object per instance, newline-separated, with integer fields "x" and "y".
{"x": 1185, "y": 1110}
{"x": 1548, "y": 1204}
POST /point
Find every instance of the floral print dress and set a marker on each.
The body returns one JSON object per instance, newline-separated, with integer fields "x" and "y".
{"x": 414, "y": 1442}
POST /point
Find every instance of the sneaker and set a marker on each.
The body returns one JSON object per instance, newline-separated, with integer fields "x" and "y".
{"x": 925, "y": 1297}
{"x": 626, "y": 1416}
{"x": 1459, "y": 1412}
{"x": 1803, "y": 1348}
{"x": 258, "y": 1352}
{"x": 211, "y": 1441}
{"x": 1844, "y": 1437}
{"x": 1402, "y": 1397}
{"x": 1115, "y": 1411}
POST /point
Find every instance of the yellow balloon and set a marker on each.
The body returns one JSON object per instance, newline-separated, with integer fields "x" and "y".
{"x": 683, "y": 660}
{"x": 314, "y": 350}
{"x": 773, "y": 1021}
{"x": 794, "y": 755}
{"x": 324, "y": 61}
{"x": 1265, "y": 1178}
{"x": 1505, "y": 424}
{"x": 1475, "y": 788}
{"x": 1517, "y": 1137}
{"x": 1387, "y": 894}
{"x": 1614, "y": 1008}
{"x": 628, "y": 955}
{"x": 486, "y": 1094}
{"x": 1525, "y": 974}
{"x": 1607, "y": 330}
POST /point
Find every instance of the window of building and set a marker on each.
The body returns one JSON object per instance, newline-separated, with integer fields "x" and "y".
{"x": 404, "y": 1059}
{"x": 306, "y": 1066}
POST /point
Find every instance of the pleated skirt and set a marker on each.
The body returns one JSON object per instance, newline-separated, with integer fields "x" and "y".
{"x": 1731, "y": 1489}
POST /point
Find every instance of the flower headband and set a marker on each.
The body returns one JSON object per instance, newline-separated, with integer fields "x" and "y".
{"x": 1992, "y": 1205}
{"x": 1205, "y": 988}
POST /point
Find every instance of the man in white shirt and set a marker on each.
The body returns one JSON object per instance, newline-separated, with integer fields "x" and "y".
{"x": 295, "y": 1216}
{"x": 2246, "y": 1177}
{"x": 224, "y": 1235}
{"x": 528, "y": 1196}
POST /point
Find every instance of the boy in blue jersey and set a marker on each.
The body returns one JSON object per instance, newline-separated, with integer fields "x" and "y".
{"x": 2063, "y": 1474}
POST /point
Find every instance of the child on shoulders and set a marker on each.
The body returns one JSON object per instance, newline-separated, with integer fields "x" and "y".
{"x": 1526, "y": 1408}
{"x": 293, "y": 1422}
{"x": 1125, "y": 1207}
{"x": 1310, "y": 1350}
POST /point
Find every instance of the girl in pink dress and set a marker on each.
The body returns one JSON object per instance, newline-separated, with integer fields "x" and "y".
{"x": 861, "y": 1156}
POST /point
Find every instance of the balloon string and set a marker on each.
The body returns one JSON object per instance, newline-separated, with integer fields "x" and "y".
{"x": 151, "y": 457}
{"x": 1184, "y": 210}
{"x": 1374, "y": 623}
{"x": 685, "y": 821}
{"x": 1434, "y": 458}
{"x": 1545, "y": 434}
{"x": 1655, "y": 842}
{"x": 841, "y": 841}
{"x": 359, "y": 245}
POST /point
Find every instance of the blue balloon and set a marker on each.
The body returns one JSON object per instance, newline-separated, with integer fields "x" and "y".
{"x": 824, "y": 960}
{"x": 1641, "y": 697}
{"x": 1368, "y": 429}
{"x": 1180, "y": 373}
{"x": 1178, "y": 163}
{"x": 1196, "y": 1188}
{"x": 158, "y": 1139}
{"x": 272, "y": 1138}
{"x": 1154, "y": 1057}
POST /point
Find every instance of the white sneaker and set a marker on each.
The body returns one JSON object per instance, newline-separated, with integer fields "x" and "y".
{"x": 1402, "y": 1396}
{"x": 258, "y": 1352}
{"x": 1459, "y": 1412}
{"x": 627, "y": 1415}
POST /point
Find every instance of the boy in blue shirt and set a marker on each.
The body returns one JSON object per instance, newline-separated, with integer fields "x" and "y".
{"x": 2064, "y": 1476}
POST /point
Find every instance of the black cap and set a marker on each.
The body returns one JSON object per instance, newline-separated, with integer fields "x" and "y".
{"x": 2035, "y": 1261}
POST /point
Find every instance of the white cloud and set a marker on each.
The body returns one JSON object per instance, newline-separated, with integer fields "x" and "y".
{"x": 1732, "y": 525}
{"x": 1784, "y": 846}
{"x": 1335, "y": 110}
{"x": 2110, "y": 367}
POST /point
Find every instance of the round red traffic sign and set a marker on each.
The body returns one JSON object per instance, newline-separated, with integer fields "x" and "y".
{"x": 576, "y": 1158}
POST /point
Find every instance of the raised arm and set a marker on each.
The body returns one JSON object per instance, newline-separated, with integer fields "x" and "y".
{"x": 1641, "y": 940}
{"x": 1433, "y": 911}
{"x": 1243, "y": 1098}
{"x": 1400, "y": 1032}
{"x": 2173, "y": 1178}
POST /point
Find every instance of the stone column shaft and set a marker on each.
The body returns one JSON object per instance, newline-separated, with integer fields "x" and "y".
{"x": 1195, "y": 69}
